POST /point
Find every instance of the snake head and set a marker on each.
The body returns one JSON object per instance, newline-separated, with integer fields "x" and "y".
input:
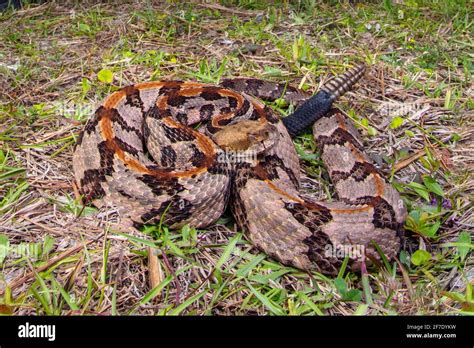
{"x": 262, "y": 138}
{"x": 247, "y": 135}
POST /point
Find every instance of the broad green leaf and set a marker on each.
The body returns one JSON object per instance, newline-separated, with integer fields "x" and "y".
{"x": 396, "y": 122}
{"x": 420, "y": 257}
{"x": 340, "y": 285}
{"x": 347, "y": 295}
{"x": 352, "y": 295}
{"x": 105, "y": 76}
{"x": 432, "y": 185}
{"x": 84, "y": 27}
{"x": 455, "y": 137}
{"x": 423, "y": 193}
{"x": 431, "y": 230}
{"x": 86, "y": 85}
{"x": 371, "y": 131}
{"x": 281, "y": 103}
{"x": 420, "y": 189}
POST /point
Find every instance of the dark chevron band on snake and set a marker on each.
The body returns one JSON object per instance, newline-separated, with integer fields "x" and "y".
{"x": 142, "y": 154}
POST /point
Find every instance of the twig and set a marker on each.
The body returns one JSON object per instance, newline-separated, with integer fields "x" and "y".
{"x": 46, "y": 228}
{"x": 405, "y": 162}
{"x": 154, "y": 267}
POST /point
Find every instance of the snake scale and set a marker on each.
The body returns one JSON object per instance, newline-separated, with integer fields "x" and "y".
{"x": 181, "y": 152}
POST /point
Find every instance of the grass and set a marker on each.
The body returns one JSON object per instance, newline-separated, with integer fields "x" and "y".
{"x": 414, "y": 109}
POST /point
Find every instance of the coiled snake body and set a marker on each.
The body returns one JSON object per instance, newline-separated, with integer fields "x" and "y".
{"x": 140, "y": 153}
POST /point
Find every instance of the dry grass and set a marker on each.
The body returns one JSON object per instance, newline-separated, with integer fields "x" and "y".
{"x": 78, "y": 262}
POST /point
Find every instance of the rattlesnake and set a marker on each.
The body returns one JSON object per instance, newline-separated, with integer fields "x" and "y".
{"x": 140, "y": 153}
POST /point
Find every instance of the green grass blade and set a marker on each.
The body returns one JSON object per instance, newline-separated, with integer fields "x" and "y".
{"x": 275, "y": 309}
{"x": 65, "y": 295}
{"x": 150, "y": 295}
{"x": 228, "y": 250}
{"x": 382, "y": 256}
{"x": 188, "y": 302}
{"x": 310, "y": 303}
{"x": 246, "y": 268}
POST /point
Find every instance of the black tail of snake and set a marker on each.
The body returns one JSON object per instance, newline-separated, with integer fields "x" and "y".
{"x": 141, "y": 153}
